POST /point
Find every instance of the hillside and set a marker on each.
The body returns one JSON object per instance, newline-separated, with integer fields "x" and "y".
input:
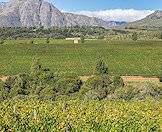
{"x": 30, "y": 13}
{"x": 153, "y": 21}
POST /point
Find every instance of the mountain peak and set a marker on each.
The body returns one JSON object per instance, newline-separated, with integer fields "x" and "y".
{"x": 30, "y": 13}
{"x": 156, "y": 15}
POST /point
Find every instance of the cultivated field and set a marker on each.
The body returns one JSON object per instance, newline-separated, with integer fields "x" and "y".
{"x": 123, "y": 57}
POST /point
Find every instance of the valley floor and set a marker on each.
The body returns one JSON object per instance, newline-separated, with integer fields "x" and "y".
{"x": 141, "y": 58}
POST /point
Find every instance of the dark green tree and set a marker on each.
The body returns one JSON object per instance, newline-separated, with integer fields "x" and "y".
{"x": 48, "y": 40}
{"x": 135, "y": 36}
{"x": 31, "y": 41}
{"x": 82, "y": 39}
{"x": 160, "y": 75}
{"x": 20, "y": 86}
{"x": 101, "y": 67}
{"x": 160, "y": 35}
{"x": 2, "y": 41}
{"x": 36, "y": 67}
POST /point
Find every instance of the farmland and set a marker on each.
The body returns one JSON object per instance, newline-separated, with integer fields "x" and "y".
{"x": 122, "y": 57}
{"x": 45, "y": 92}
{"x": 77, "y": 115}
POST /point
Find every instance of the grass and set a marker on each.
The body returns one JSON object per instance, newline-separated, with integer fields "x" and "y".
{"x": 122, "y": 57}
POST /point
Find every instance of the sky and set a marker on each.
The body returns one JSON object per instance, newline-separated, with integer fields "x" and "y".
{"x": 117, "y": 10}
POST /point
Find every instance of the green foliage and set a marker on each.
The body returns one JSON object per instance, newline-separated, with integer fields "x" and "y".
{"x": 68, "y": 85}
{"x": 65, "y": 57}
{"x": 79, "y": 115}
{"x": 48, "y": 40}
{"x": 31, "y": 41}
{"x": 52, "y": 32}
{"x": 36, "y": 68}
{"x": 160, "y": 35}
{"x": 160, "y": 77}
{"x": 82, "y": 39}
{"x": 101, "y": 67}
{"x": 101, "y": 37}
{"x": 118, "y": 81}
{"x": 19, "y": 86}
{"x": 142, "y": 91}
{"x": 135, "y": 36}
{"x": 2, "y": 41}
{"x": 101, "y": 86}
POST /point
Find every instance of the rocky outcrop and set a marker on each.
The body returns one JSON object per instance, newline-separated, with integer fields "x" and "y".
{"x": 30, "y": 13}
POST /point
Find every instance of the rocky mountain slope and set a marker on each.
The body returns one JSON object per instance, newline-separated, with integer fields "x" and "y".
{"x": 29, "y": 13}
{"x": 151, "y": 21}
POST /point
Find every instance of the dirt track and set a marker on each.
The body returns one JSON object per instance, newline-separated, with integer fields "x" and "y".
{"x": 139, "y": 78}
{"x": 3, "y": 78}
{"x": 129, "y": 78}
{"x": 125, "y": 78}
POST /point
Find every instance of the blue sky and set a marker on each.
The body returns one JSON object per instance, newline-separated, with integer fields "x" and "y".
{"x": 75, "y": 5}
{"x": 117, "y": 10}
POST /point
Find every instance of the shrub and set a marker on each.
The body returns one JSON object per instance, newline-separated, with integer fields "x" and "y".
{"x": 48, "y": 40}
{"x": 118, "y": 81}
{"x": 99, "y": 87}
{"x": 141, "y": 91}
{"x": 82, "y": 39}
{"x": 135, "y": 36}
{"x": 101, "y": 67}
{"x": 160, "y": 37}
{"x": 99, "y": 82}
{"x": 31, "y": 42}
{"x": 126, "y": 93}
{"x": 20, "y": 85}
{"x": 160, "y": 78}
{"x": 1, "y": 41}
{"x": 147, "y": 90}
{"x": 68, "y": 85}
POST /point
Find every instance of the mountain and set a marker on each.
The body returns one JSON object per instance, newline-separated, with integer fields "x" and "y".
{"x": 2, "y": 6}
{"x": 30, "y": 13}
{"x": 152, "y": 21}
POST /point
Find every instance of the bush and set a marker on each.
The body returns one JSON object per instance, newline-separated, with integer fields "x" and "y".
{"x": 82, "y": 39}
{"x": 147, "y": 90}
{"x": 140, "y": 92}
{"x": 118, "y": 81}
{"x": 68, "y": 85}
{"x": 48, "y": 40}
{"x": 160, "y": 37}
{"x": 102, "y": 86}
{"x": 101, "y": 67}
{"x": 20, "y": 85}
{"x": 1, "y": 41}
{"x": 135, "y": 36}
{"x": 100, "y": 82}
{"x": 31, "y": 42}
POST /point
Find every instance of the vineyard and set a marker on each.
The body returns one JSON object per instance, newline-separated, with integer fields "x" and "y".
{"x": 123, "y": 57}
{"x": 80, "y": 115}
{"x": 44, "y": 91}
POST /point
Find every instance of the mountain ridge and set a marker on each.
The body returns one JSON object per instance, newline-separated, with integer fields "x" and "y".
{"x": 29, "y": 13}
{"x": 152, "y": 21}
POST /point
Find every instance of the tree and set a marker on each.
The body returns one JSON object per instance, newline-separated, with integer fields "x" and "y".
{"x": 31, "y": 42}
{"x": 101, "y": 67}
{"x": 1, "y": 41}
{"x": 82, "y": 39}
{"x": 36, "y": 67}
{"x": 135, "y": 36}
{"x": 20, "y": 86}
{"x": 101, "y": 37}
{"x": 161, "y": 35}
{"x": 48, "y": 40}
{"x": 160, "y": 78}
